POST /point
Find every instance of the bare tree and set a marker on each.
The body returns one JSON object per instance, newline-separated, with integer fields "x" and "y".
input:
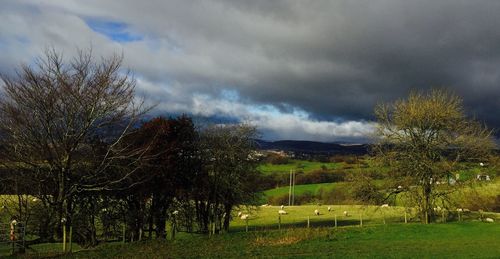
{"x": 65, "y": 122}
{"x": 425, "y": 138}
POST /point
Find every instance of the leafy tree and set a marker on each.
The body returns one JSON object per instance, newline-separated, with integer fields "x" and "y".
{"x": 425, "y": 138}
{"x": 172, "y": 160}
{"x": 230, "y": 166}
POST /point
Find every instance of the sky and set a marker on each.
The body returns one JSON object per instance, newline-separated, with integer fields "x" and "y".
{"x": 296, "y": 69}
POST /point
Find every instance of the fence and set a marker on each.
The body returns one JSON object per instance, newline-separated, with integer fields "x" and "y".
{"x": 12, "y": 237}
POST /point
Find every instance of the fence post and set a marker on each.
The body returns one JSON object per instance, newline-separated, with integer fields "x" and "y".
{"x": 442, "y": 216}
{"x": 360, "y": 219}
{"x": 335, "y": 220}
{"x": 406, "y": 219}
{"x": 70, "y": 239}
{"x": 64, "y": 237}
{"x": 308, "y": 221}
{"x": 383, "y": 215}
{"x": 123, "y": 233}
{"x": 279, "y": 222}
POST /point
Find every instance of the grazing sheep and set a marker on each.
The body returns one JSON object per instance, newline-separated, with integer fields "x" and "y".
{"x": 346, "y": 213}
{"x": 490, "y": 220}
{"x": 282, "y": 206}
{"x": 239, "y": 214}
{"x": 384, "y": 206}
{"x": 245, "y": 216}
{"x": 329, "y": 208}
{"x": 459, "y": 210}
{"x": 282, "y": 212}
{"x": 316, "y": 212}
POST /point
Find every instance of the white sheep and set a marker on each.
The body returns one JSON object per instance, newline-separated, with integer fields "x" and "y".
{"x": 490, "y": 220}
{"x": 316, "y": 212}
{"x": 329, "y": 208}
{"x": 282, "y": 212}
{"x": 384, "y": 206}
{"x": 282, "y": 206}
{"x": 245, "y": 216}
{"x": 239, "y": 214}
{"x": 459, "y": 210}
{"x": 346, "y": 213}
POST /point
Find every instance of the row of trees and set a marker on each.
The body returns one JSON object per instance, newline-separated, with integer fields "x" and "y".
{"x": 72, "y": 136}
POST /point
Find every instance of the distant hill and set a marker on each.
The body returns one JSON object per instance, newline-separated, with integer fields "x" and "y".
{"x": 313, "y": 147}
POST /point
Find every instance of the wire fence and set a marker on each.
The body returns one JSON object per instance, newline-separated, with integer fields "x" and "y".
{"x": 12, "y": 237}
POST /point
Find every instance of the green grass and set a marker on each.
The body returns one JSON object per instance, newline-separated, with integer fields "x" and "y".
{"x": 300, "y": 189}
{"x": 299, "y": 165}
{"x": 374, "y": 240}
{"x": 462, "y": 240}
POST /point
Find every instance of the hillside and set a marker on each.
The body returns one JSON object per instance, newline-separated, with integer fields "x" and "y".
{"x": 313, "y": 147}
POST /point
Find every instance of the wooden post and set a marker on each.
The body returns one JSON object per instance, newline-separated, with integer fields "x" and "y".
{"x": 308, "y": 221}
{"x": 64, "y": 238}
{"x": 279, "y": 222}
{"x": 123, "y": 233}
{"x": 360, "y": 219}
{"x": 174, "y": 226}
{"x": 70, "y": 239}
{"x": 383, "y": 214}
{"x": 406, "y": 218}
{"x": 140, "y": 234}
{"x": 335, "y": 220}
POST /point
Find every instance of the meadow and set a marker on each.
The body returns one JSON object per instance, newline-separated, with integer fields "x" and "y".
{"x": 265, "y": 238}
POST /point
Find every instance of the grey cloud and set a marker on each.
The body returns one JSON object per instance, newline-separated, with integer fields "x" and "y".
{"x": 333, "y": 59}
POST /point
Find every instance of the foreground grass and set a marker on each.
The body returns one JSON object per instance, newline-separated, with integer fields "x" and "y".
{"x": 463, "y": 240}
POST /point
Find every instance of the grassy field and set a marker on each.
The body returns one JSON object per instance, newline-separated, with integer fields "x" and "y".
{"x": 302, "y": 165}
{"x": 462, "y": 240}
{"x": 300, "y": 189}
{"x": 470, "y": 238}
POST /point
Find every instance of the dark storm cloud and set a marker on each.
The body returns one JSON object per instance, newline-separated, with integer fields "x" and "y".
{"x": 330, "y": 60}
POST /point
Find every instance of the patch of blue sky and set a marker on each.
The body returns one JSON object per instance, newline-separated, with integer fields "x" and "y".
{"x": 265, "y": 109}
{"x": 116, "y": 31}
{"x": 230, "y": 95}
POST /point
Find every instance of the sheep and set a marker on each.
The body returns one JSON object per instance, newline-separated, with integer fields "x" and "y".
{"x": 282, "y": 206}
{"x": 245, "y": 216}
{"x": 282, "y": 212}
{"x": 264, "y": 205}
{"x": 346, "y": 213}
{"x": 459, "y": 210}
{"x": 489, "y": 220}
{"x": 329, "y": 208}
{"x": 316, "y": 212}
{"x": 384, "y": 206}
{"x": 239, "y": 214}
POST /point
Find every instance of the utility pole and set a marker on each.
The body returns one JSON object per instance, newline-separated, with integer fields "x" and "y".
{"x": 290, "y": 190}
{"x": 293, "y": 187}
